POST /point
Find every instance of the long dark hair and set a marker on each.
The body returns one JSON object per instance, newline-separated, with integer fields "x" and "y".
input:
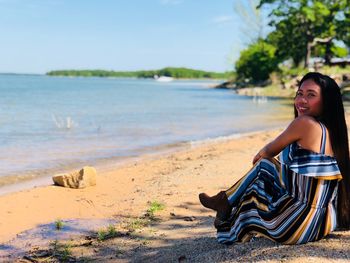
{"x": 333, "y": 118}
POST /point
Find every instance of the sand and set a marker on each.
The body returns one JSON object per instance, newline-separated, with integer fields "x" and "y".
{"x": 181, "y": 231}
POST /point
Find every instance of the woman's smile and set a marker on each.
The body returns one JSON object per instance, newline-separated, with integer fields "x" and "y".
{"x": 302, "y": 109}
{"x": 308, "y": 99}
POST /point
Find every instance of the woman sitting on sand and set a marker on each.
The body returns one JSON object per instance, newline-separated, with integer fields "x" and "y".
{"x": 303, "y": 196}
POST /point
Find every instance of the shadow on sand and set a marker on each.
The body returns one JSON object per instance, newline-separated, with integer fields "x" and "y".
{"x": 184, "y": 238}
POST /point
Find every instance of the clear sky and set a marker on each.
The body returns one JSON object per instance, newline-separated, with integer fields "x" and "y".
{"x": 42, "y": 35}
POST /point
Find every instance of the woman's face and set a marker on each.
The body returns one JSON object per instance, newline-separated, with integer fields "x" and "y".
{"x": 308, "y": 100}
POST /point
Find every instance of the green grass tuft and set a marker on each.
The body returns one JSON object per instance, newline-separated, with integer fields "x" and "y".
{"x": 107, "y": 233}
{"x": 59, "y": 224}
{"x": 61, "y": 251}
{"x": 155, "y": 206}
{"x": 137, "y": 223}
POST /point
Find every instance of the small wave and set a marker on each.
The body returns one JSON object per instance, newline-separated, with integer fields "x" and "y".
{"x": 227, "y": 137}
{"x": 216, "y": 139}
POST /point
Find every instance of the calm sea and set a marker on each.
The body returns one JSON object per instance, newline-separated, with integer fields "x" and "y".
{"x": 52, "y": 124}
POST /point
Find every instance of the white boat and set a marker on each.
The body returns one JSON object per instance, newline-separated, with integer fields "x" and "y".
{"x": 163, "y": 78}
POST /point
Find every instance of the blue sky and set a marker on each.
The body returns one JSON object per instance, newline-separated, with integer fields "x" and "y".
{"x": 42, "y": 35}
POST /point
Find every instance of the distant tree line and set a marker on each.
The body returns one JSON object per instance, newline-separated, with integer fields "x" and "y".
{"x": 302, "y": 29}
{"x": 179, "y": 73}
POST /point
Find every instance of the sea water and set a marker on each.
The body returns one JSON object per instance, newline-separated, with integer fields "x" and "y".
{"x": 52, "y": 124}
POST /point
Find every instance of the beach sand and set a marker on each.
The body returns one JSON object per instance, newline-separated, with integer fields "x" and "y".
{"x": 181, "y": 231}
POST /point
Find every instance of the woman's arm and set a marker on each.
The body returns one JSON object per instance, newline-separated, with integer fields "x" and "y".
{"x": 295, "y": 131}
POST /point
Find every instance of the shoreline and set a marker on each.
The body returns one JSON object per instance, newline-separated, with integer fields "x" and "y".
{"x": 29, "y": 181}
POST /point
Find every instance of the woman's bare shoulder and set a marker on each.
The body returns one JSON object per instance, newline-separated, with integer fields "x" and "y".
{"x": 305, "y": 122}
{"x": 310, "y": 133}
{"x": 304, "y": 127}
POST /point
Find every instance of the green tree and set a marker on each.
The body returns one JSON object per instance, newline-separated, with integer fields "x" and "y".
{"x": 301, "y": 25}
{"x": 337, "y": 51}
{"x": 289, "y": 41}
{"x": 256, "y": 62}
{"x": 343, "y": 24}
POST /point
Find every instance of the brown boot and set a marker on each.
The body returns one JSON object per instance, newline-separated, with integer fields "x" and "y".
{"x": 218, "y": 203}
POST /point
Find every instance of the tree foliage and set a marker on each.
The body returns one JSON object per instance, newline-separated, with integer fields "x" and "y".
{"x": 256, "y": 62}
{"x": 289, "y": 41}
{"x": 343, "y": 26}
{"x": 302, "y": 25}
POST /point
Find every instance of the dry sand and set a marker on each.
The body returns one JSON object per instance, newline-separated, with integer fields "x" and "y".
{"x": 181, "y": 232}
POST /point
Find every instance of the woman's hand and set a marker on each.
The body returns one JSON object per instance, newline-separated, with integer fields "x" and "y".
{"x": 261, "y": 154}
{"x": 257, "y": 157}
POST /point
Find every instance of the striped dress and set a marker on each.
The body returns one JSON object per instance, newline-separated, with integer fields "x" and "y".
{"x": 290, "y": 201}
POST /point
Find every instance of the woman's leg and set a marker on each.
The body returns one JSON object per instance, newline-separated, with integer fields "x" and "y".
{"x": 258, "y": 198}
{"x": 271, "y": 166}
{"x": 218, "y": 203}
{"x": 225, "y": 200}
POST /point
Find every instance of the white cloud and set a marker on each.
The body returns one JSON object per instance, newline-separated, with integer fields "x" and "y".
{"x": 222, "y": 19}
{"x": 171, "y": 2}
